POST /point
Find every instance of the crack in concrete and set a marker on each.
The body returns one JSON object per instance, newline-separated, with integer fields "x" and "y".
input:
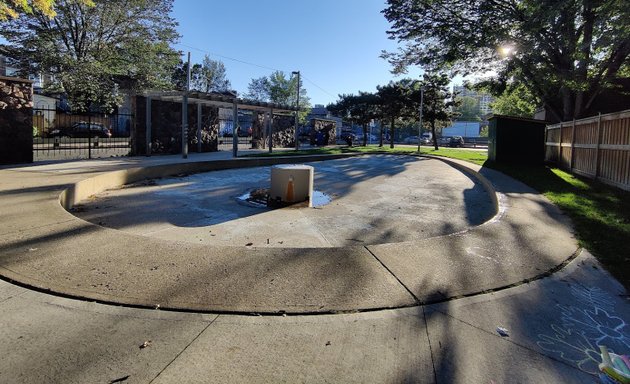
{"x": 507, "y": 339}
{"x": 183, "y": 350}
{"x": 395, "y": 277}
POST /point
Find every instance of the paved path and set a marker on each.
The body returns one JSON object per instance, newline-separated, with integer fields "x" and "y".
{"x": 554, "y": 323}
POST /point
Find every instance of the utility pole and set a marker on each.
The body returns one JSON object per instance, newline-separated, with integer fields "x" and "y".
{"x": 420, "y": 125}
{"x": 297, "y": 109}
{"x": 185, "y": 113}
{"x": 235, "y": 129}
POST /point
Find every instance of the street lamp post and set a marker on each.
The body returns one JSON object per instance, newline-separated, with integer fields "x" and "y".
{"x": 420, "y": 125}
{"x": 297, "y": 109}
{"x": 185, "y": 112}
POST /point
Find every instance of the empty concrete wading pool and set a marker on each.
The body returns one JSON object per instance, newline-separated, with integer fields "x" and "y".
{"x": 357, "y": 201}
{"x": 383, "y": 231}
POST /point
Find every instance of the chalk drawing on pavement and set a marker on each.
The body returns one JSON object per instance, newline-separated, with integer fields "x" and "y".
{"x": 584, "y": 327}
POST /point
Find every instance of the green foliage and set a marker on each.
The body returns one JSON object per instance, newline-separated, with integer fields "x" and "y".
{"x": 210, "y": 76}
{"x": 11, "y": 9}
{"x": 566, "y": 52}
{"x": 361, "y": 109}
{"x": 258, "y": 89}
{"x": 438, "y": 103}
{"x": 398, "y": 101}
{"x": 280, "y": 89}
{"x": 94, "y": 51}
{"x": 179, "y": 75}
{"x": 468, "y": 109}
{"x": 515, "y": 101}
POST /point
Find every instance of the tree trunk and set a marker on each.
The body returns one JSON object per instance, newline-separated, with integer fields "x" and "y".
{"x": 588, "y": 22}
{"x": 380, "y": 140}
{"x": 579, "y": 102}
{"x": 391, "y": 133}
{"x": 365, "y": 126}
{"x": 567, "y": 104}
{"x": 435, "y": 144}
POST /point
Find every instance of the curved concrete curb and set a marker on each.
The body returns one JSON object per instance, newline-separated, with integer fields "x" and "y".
{"x": 58, "y": 252}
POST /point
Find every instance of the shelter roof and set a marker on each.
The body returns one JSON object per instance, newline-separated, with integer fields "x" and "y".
{"x": 218, "y": 100}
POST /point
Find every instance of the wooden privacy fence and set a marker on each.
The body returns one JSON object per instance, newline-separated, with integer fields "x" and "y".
{"x": 597, "y": 147}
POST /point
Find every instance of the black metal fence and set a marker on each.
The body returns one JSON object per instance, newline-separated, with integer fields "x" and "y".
{"x": 226, "y": 143}
{"x": 58, "y": 135}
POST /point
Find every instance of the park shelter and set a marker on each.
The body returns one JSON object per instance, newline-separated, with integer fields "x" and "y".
{"x": 162, "y": 113}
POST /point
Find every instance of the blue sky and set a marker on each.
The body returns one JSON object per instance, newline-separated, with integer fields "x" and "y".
{"x": 335, "y": 44}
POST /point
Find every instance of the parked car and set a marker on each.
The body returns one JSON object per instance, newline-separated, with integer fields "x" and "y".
{"x": 456, "y": 141}
{"x": 227, "y": 132}
{"x": 82, "y": 129}
{"x": 444, "y": 141}
{"x": 373, "y": 138}
{"x": 411, "y": 140}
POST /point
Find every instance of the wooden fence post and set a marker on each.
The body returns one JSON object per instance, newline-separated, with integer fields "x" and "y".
{"x": 560, "y": 148}
{"x": 572, "y": 145}
{"x": 599, "y": 140}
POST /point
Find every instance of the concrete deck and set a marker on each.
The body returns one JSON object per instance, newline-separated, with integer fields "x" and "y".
{"x": 478, "y": 278}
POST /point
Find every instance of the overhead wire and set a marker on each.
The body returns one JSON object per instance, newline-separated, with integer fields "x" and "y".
{"x": 230, "y": 58}
{"x": 253, "y": 64}
{"x": 320, "y": 88}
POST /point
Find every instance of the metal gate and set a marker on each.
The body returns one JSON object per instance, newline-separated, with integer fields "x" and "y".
{"x": 58, "y": 135}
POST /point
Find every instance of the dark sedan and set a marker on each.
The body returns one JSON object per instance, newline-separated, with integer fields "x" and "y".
{"x": 456, "y": 141}
{"x": 82, "y": 129}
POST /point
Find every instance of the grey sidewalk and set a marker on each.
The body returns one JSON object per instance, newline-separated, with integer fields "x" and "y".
{"x": 553, "y": 326}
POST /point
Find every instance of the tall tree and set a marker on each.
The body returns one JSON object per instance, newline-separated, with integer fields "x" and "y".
{"x": 361, "y": 108}
{"x": 280, "y": 89}
{"x": 566, "y": 52}
{"x": 11, "y": 9}
{"x": 516, "y": 100}
{"x": 397, "y": 100}
{"x": 258, "y": 89}
{"x": 365, "y": 110}
{"x": 212, "y": 76}
{"x": 438, "y": 102}
{"x": 179, "y": 75}
{"x": 468, "y": 109}
{"x": 94, "y": 51}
